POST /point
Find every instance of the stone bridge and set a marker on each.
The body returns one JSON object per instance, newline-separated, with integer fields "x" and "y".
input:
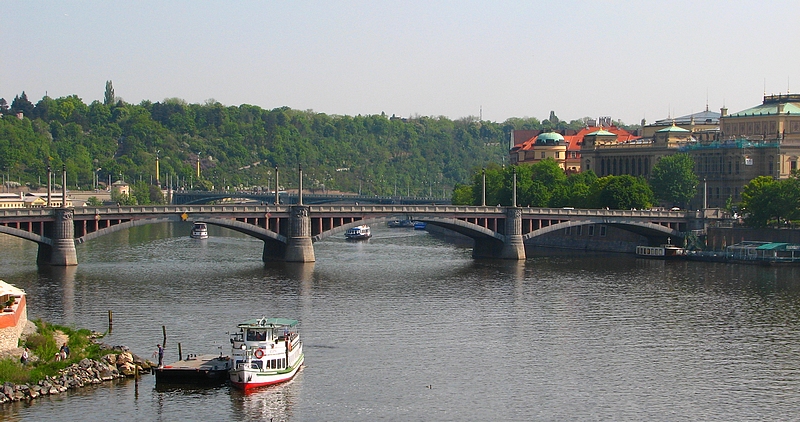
{"x": 289, "y": 231}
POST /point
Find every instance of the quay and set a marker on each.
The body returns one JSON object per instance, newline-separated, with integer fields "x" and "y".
{"x": 195, "y": 370}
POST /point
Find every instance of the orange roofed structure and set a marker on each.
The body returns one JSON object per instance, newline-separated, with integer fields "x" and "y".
{"x": 13, "y": 315}
{"x": 564, "y": 147}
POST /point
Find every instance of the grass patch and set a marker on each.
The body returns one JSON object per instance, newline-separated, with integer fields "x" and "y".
{"x": 43, "y": 345}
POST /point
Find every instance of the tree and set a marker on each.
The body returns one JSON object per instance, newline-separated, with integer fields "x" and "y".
{"x": 766, "y": 201}
{"x": 94, "y": 201}
{"x": 108, "y": 98}
{"x": 21, "y": 104}
{"x": 673, "y": 179}
{"x": 622, "y": 193}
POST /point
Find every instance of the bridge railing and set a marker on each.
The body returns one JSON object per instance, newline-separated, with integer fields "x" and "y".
{"x": 381, "y": 209}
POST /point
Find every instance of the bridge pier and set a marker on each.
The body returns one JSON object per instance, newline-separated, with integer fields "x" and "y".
{"x": 299, "y": 247}
{"x": 62, "y": 251}
{"x": 512, "y": 246}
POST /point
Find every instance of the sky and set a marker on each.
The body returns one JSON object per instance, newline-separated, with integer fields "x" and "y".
{"x": 630, "y": 60}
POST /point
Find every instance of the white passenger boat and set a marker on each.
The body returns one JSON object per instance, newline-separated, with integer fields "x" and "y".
{"x": 358, "y": 232}
{"x": 665, "y": 251}
{"x": 199, "y": 230}
{"x": 265, "y": 351}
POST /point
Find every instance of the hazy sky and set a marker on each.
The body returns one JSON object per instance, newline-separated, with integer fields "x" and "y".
{"x": 625, "y": 59}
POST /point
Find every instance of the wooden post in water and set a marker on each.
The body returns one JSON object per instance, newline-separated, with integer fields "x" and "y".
{"x": 136, "y": 381}
{"x": 110, "y": 321}
{"x": 164, "y": 331}
{"x": 180, "y": 352}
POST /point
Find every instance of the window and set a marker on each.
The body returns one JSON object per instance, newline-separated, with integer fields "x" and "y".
{"x": 591, "y": 230}
{"x": 579, "y": 230}
{"x": 602, "y": 231}
{"x": 543, "y": 154}
{"x": 558, "y": 154}
{"x": 792, "y": 165}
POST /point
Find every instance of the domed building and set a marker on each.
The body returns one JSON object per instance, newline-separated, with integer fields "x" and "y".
{"x": 542, "y": 146}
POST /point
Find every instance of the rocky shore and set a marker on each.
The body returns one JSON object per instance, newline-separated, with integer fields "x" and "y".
{"x": 112, "y": 366}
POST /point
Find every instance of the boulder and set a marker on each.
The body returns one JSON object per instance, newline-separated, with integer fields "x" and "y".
{"x": 124, "y": 357}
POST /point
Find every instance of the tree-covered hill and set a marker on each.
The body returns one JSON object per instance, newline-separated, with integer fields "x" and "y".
{"x": 239, "y": 147}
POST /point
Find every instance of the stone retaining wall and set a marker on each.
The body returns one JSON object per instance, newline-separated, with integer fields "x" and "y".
{"x": 9, "y": 336}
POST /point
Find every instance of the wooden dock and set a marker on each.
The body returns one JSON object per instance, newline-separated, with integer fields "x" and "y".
{"x": 195, "y": 370}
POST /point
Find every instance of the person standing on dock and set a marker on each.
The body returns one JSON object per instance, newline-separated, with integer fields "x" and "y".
{"x": 160, "y": 353}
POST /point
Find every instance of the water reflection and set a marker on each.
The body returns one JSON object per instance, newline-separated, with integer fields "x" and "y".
{"x": 275, "y": 402}
{"x": 62, "y": 280}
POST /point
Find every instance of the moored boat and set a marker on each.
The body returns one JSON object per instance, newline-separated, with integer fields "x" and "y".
{"x": 665, "y": 251}
{"x": 199, "y": 230}
{"x": 265, "y": 351}
{"x": 358, "y": 232}
{"x": 420, "y": 225}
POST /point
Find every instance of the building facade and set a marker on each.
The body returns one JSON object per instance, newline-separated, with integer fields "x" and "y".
{"x": 729, "y": 150}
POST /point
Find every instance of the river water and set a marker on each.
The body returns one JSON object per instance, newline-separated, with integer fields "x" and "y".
{"x": 406, "y": 326}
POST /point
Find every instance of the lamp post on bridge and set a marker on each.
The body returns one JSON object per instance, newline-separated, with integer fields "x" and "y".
{"x": 277, "y": 197}
{"x": 158, "y": 177}
{"x": 483, "y": 188}
{"x": 514, "y": 188}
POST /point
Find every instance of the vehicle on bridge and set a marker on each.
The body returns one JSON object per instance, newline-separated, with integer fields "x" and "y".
{"x": 358, "y": 233}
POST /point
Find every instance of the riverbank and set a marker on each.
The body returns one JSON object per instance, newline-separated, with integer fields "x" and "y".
{"x": 47, "y": 371}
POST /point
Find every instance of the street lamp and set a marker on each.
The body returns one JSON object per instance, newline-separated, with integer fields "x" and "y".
{"x": 158, "y": 178}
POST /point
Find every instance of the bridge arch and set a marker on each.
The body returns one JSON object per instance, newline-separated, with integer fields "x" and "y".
{"x": 26, "y": 235}
{"x": 459, "y": 226}
{"x": 245, "y": 228}
{"x": 649, "y": 230}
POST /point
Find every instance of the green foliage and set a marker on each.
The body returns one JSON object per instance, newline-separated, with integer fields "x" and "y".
{"x": 622, "y": 192}
{"x": 43, "y": 345}
{"x": 766, "y": 201}
{"x": 673, "y": 179}
{"x": 11, "y": 370}
{"x": 94, "y": 201}
{"x": 240, "y": 146}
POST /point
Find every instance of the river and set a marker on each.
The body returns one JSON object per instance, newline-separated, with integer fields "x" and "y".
{"x": 406, "y": 326}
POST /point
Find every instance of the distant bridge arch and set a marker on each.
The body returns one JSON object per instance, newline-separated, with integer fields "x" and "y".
{"x": 646, "y": 229}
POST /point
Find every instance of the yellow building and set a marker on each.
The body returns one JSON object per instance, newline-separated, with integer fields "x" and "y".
{"x": 775, "y": 120}
{"x": 32, "y": 200}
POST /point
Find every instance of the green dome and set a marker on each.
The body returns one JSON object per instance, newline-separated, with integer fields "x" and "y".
{"x": 549, "y": 138}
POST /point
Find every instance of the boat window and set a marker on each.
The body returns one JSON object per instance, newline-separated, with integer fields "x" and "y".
{"x": 256, "y": 335}
{"x": 256, "y": 364}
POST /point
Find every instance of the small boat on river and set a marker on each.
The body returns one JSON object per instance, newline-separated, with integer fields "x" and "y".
{"x": 400, "y": 223}
{"x": 265, "y": 351}
{"x": 358, "y": 233}
{"x": 199, "y": 230}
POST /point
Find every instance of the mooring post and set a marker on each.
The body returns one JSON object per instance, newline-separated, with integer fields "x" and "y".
{"x": 164, "y": 331}
{"x": 180, "y": 352}
{"x": 110, "y": 321}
